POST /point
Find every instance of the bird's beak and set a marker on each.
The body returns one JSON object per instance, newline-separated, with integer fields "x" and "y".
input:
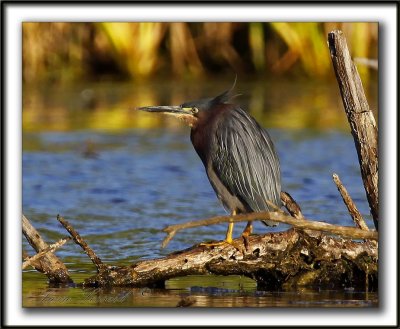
{"x": 182, "y": 113}
{"x": 166, "y": 109}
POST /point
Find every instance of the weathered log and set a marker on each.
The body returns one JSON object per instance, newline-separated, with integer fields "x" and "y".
{"x": 275, "y": 261}
{"x": 49, "y": 263}
{"x": 360, "y": 117}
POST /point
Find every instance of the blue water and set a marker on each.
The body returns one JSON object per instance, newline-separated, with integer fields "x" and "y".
{"x": 135, "y": 183}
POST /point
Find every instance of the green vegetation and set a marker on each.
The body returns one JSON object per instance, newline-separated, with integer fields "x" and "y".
{"x": 75, "y": 51}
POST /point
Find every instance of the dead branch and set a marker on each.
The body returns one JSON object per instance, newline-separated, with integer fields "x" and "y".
{"x": 82, "y": 243}
{"x": 275, "y": 261}
{"x": 50, "y": 265}
{"x": 34, "y": 263}
{"x": 53, "y": 247}
{"x": 348, "y": 201}
{"x": 345, "y": 231}
{"x": 291, "y": 205}
{"x": 360, "y": 117}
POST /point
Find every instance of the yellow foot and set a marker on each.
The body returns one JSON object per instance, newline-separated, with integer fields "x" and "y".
{"x": 215, "y": 243}
{"x": 228, "y": 238}
{"x": 223, "y": 243}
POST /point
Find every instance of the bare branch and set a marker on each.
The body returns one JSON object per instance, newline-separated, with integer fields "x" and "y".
{"x": 291, "y": 205}
{"x": 53, "y": 247}
{"x": 82, "y": 243}
{"x": 345, "y": 231}
{"x": 49, "y": 264}
{"x": 354, "y": 213}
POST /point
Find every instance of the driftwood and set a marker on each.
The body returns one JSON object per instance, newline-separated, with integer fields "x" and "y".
{"x": 274, "y": 261}
{"x": 360, "y": 117}
{"x": 49, "y": 263}
{"x": 305, "y": 255}
{"x": 34, "y": 260}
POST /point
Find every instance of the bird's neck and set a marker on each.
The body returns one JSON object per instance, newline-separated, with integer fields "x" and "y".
{"x": 200, "y": 141}
{"x": 203, "y": 131}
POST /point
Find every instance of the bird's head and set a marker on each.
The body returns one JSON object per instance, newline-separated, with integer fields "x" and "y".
{"x": 194, "y": 111}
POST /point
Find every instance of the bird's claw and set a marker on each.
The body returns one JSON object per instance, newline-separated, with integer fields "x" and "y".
{"x": 220, "y": 244}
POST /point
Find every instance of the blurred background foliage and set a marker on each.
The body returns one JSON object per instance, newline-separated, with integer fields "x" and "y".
{"x": 172, "y": 56}
{"x": 72, "y": 51}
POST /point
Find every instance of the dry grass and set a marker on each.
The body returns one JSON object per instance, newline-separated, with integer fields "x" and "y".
{"x": 75, "y": 51}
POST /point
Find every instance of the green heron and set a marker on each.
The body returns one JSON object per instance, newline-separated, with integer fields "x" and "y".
{"x": 238, "y": 155}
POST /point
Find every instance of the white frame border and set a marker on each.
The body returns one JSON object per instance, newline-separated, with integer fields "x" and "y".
{"x": 15, "y": 13}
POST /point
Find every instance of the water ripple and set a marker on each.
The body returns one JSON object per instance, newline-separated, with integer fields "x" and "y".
{"x": 141, "y": 181}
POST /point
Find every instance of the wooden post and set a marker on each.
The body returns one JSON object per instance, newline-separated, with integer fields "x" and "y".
{"x": 360, "y": 117}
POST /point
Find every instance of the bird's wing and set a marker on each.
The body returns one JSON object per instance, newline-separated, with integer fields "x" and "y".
{"x": 245, "y": 160}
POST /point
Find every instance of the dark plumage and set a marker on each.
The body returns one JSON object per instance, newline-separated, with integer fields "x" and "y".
{"x": 239, "y": 158}
{"x": 238, "y": 154}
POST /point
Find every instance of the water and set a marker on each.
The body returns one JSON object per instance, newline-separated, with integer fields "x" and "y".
{"x": 119, "y": 177}
{"x": 130, "y": 185}
{"x": 199, "y": 291}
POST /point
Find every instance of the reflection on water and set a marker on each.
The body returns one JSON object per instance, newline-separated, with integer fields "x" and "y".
{"x": 108, "y": 106}
{"x": 120, "y": 187}
{"x": 193, "y": 291}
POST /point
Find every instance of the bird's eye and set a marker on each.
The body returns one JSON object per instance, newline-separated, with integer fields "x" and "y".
{"x": 195, "y": 110}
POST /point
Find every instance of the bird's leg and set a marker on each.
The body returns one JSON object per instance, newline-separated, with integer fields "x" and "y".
{"x": 248, "y": 229}
{"x": 229, "y": 232}
{"x": 228, "y": 237}
{"x": 246, "y": 232}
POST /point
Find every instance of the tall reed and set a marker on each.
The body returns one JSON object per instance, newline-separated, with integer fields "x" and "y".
{"x": 76, "y": 51}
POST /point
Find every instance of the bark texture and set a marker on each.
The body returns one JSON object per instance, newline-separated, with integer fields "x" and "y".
{"x": 49, "y": 263}
{"x": 275, "y": 261}
{"x": 360, "y": 117}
